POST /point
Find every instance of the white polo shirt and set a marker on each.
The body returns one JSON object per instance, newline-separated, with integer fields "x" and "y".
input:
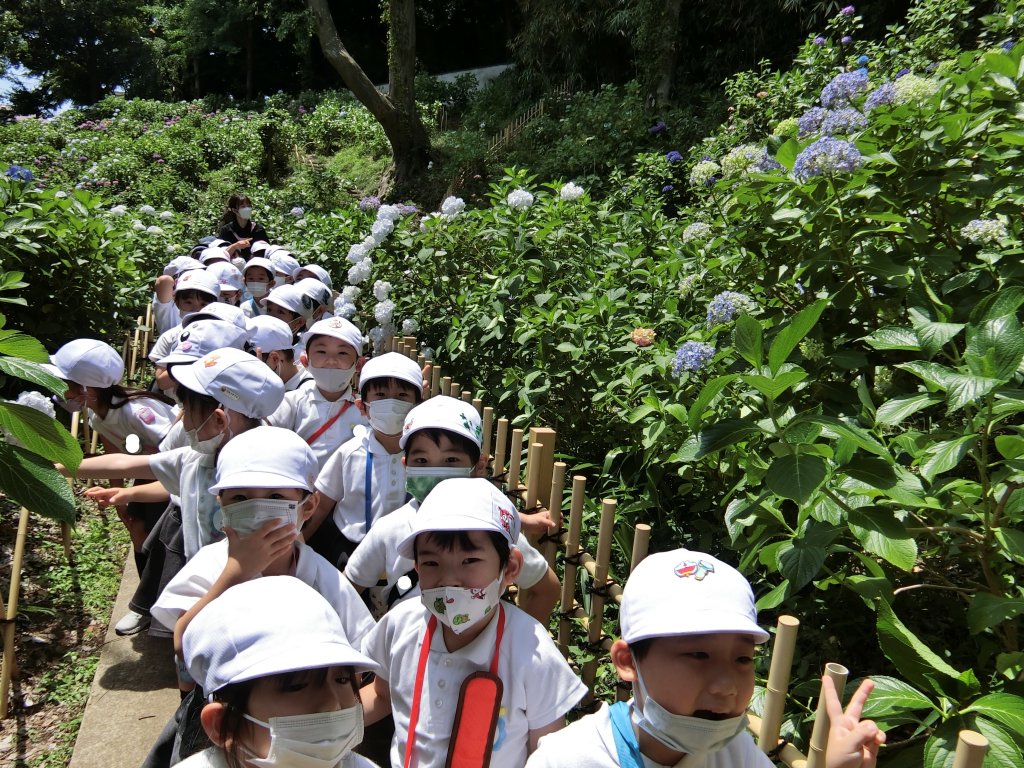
{"x": 252, "y": 308}
{"x": 145, "y": 417}
{"x": 165, "y": 344}
{"x": 539, "y": 687}
{"x": 300, "y": 378}
{"x": 165, "y": 314}
{"x": 199, "y": 574}
{"x": 377, "y": 556}
{"x": 188, "y": 475}
{"x": 590, "y": 743}
{"x": 306, "y": 410}
{"x": 360, "y": 463}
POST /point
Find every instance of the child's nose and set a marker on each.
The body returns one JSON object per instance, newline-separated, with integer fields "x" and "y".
{"x": 722, "y": 682}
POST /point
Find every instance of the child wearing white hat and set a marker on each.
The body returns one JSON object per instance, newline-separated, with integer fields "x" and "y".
{"x": 463, "y": 542}
{"x": 441, "y": 438}
{"x": 285, "y": 303}
{"x": 285, "y": 264}
{"x": 230, "y": 278}
{"x": 258, "y": 277}
{"x": 323, "y": 411}
{"x": 193, "y": 290}
{"x": 165, "y": 312}
{"x": 689, "y": 629}
{"x": 282, "y": 679}
{"x": 272, "y": 340}
{"x": 365, "y": 479}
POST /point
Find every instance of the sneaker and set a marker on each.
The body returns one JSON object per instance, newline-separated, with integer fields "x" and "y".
{"x": 131, "y": 624}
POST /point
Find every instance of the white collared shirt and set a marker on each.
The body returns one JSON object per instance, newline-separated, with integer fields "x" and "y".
{"x": 306, "y": 410}
{"x": 188, "y": 475}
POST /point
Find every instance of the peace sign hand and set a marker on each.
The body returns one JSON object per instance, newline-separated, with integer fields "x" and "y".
{"x": 852, "y": 742}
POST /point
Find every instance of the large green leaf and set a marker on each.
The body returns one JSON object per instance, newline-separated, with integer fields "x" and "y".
{"x": 960, "y": 388}
{"x": 34, "y": 484}
{"x": 995, "y": 348}
{"x": 944, "y": 456}
{"x": 707, "y": 394}
{"x": 857, "y": 435}
{"x": 880, "y": 533}
{"x": 1002, "y": 751}
{"x": 1004, "y": 708}
{"x": 1012, "y": 542}
{"x": 747, "y": 339}
{"x": 22, "y": 345}
{"x": 800, "y": 562}
{"x": 794, "y": 332}
{"x": 918, "y": 663}
{"x": 933, "y": 336}
{"x": 40, "y": 434}
{"x": 892, "y": 696}
{"x": 988, "y": 610}
{"x": 892, "y": 337}
{"x": 1005, "y": 302}
{"x": 773, "y": 387}
{"x": 892, "y": 412}
{"x": 723, "y": 434}
{"x": 796, "y": 477}
{"x": 940, "y": 748}
{"x": 32, "y": 372}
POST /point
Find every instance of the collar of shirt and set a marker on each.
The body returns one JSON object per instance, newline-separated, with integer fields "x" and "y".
{"x": 478, "y": 653}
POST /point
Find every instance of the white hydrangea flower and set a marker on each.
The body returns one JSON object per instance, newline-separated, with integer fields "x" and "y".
{"x": 154, "y": 230}
{"x": 376, "y": 337}
{"x": 301, "y": 223}
{"x": 35, "y": 400}
{"x": 429, "y": 217}
{"x": 388, "y": 212}
{"x": 360, "y": 272}
{"x": 369, "y": 243}
{"x": 357, "y": 253}
{"x": 147, "y": 209}
{"x": 138, "y": 226}
{"x": 519, "y": 199}
{"x": 171, "y": 248}
{"x": 166, "y": 215}
{"x": 697, "y": 232}
{"x": 381, "y": 229}
{"x": 345, "y": 309}
{"x": 571, "y": 192}
{"x": 703, "y": 172}
{"x": 383, "y": 311}
{"x": 119, "y": 210}
{"x": 911, "y": 88}
{"x": 381, "y": 290}
{"x": 983, "y": 231}
{"x": 351, "y": 293}
{"x": 428, "y": 353}
{"x": 453, "y": 206}
{"x": 410, "y": 327}
{"x": 60, "y": 195}
{"x": 298, "y": 212}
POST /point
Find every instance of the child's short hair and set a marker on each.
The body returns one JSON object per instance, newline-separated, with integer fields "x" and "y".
{"x": 405, "y": 386}
{"x": 456, "y": 420}
{"x": 392, "y": 366}
{"x": 461, "y": 442}
{"x": 449, "y": 540}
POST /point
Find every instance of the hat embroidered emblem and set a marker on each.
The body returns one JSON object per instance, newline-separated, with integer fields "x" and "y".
{"x": 230, "y": 393}
{"x": 211, "y": 361}
{"x": 698, "y": 569}
{"x": 505, "y": 519}
{"x": 335, "y": 322}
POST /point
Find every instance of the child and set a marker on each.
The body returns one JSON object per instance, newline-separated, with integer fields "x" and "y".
{"x": 282, "y": 679}
{"x": 315, "y": 297}
{"x": 463, "y": 544}
{"x": 285, "y": 265}
{"x": 193, "y": 290}
{"x": 230, "y": 279}
{"x": 441, "y": 439}
{"x": 272, "y": 340}
{"x": 314, "y": 271}
{"x": 364, "y": 479}
{"x": 285, "y": 303}
{"x": 258, "y": 276}
{"x": 214, "y": 254}
{"x": 322, "y": 411}
{"x": 165, "y": 313}
{"x": 689, "y": 629}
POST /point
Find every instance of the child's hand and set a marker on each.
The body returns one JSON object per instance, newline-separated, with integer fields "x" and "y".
{"x": 852, "y": 742}
{"x": 254, "y": 552}
{"x": 536, "y": 523}
{"x": 106, "y": 497}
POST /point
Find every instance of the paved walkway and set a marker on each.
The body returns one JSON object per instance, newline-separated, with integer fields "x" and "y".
{"x": 133, "y": 694}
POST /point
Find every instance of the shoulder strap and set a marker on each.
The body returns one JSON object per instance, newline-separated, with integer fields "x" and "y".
{"x": 327, "y": 424}
{"x": 626, "y": 744}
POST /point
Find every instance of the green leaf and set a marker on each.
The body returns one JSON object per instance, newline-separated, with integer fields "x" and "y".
{"x": 944, "y": 456}
{"x": 918, "y": 663}
{"x": 1010, "y": 446}
{"x": 41, "y": 434}
{"x": 800, "y": 563}
{"x": 1012, "y": 542}
{"x": 747, "y": 339}
{"x": 1005, "y": 302}
{"x": 940, "y": 748}
{"x": 960, "y": 389}
{"x": 881, "y": 534}
{"x": 988, "y": 610}
{"x": 796, "y": 477}
{"x": 32, "y": 372}
{"x": 34, "y": 484}
{"x": 707, "y": 394}
{"x": 1002, "y": 750}
{"x": 774, "y": 598}
{"x": 1004, "y": 708}
{"x": 857, "y": 435}
{"x": 871, "y": 470}
{"x": 723, "y": 434}
{"x": 794, "y": 332}
{"x": 787, "y": 153}
{"x": 22, "y": 345}
{"x": 894, "y": 411}
{"x": 893, "y": 696}
{"x": 639, "y": 413}
{"x": 773, "y": 387}
{"x": 892, "y": 337}
{"x": 995, "y": 348}
{"x": 933, "y": 336}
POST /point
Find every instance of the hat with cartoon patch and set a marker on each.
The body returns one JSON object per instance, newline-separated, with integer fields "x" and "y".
{"x": 447, "y": 413}
{"x": 391, "y": 365}
{"x": 686, "y": 593}
{"x": 203, "y": 337}
{"x": 236, "y": 380}
{"x": 336, "y": 328}
{"x": 266, "y": 457}
{"x": 313, "y": 295}
{"x": 464, "y": 504}
{"x": 198, "y": 280}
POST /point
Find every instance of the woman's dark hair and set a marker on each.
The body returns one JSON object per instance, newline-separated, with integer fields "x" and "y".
{"x": 107, "y": 395}
{"x": 448, "y": 540}
{"x": 386, "y": 380}
{"x": 234, "y": 203}
{"x": 461, "y": 442}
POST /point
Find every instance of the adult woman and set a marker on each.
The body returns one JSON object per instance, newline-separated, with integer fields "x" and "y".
{"x": 237, "y": 226}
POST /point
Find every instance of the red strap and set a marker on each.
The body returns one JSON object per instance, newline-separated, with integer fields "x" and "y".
{"x": 327, "y": 424}
{"x": 421, "y": 668}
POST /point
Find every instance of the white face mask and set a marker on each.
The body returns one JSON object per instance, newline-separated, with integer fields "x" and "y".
{"x": 690, "y": 735}
{"x": 245, "y": 213}
{"x": 460, "y": 608}
{"x": 388, "y": 416}
{"x": 420, "y": 481}
{"x": 208, "y": 446}
{"x": 256, "y": 290}
{"x": 332, "y": 379}
{"x": 318, "y": 740}
{"x": 250, "y": 515}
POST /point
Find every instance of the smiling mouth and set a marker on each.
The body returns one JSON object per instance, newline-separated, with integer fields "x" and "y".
{"x": 707, "y": 714}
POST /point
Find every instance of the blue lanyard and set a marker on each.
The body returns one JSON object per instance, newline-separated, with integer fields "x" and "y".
{"x": 255, "y": 306}
{"x": 626, "y": 744}
{"x": 368, "y": 488}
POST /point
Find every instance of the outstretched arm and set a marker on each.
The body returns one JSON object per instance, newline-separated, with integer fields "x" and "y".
{"x": 852, "y": 742}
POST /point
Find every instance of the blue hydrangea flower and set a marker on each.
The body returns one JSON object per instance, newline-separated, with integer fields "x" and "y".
{"x": 810, "y": 121}
{"x": 848, "y": 11}
{"x": 667, "y": 188}
{"x": 1008, "y": 46}
{"x": 819, "y": 41}
{"x": 863, "y": 60}
{"x": 845, "y": 39}
{"x": 658, "y": 127}
{"x": 883, "y": 94}
{"x": 843, "y": 88}
{"x": 19, "y": 173}
{"x": 726, "y": 305}
{"x": 691, "y": 357}
{"x": 902, "y": 72}
{"x": 984, "y": 231}
{"x": 840, "y": 122}
{"x": 826, "y": 157}
{"x": 369, "y": 203}
{"x": 674, "y": 157}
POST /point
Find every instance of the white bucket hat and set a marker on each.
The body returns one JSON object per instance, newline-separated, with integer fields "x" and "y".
{"x": 391, "y": 365}
{"x": 338, "y": 328}
{"x": 443, "y": 412}
{"x": 266, "y": 457}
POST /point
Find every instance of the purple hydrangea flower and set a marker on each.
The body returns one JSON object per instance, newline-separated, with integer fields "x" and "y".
{"x": 843, "y": 88}
{"x": 726, "y": 305}
{"x": 902, "y": 72}
{"x": 845, "y": 39}
{"x": 691, "y": 357}
{"x": 811, "y": 120}
{"x": 819, "y": 41}
{"x": 19, "y": 173}
{"x": 839, "y": 122}
{"x": 369, "y": 203}
{"x": 883, "y": 94}
{"x": 827, "y": 156}
{"x": 658, "y": 127}
{"x": 674, "y": 157}
{"x": 848, "y": 10}
{"x": 667, "y": 188}
{"x": 1008, "y": 46}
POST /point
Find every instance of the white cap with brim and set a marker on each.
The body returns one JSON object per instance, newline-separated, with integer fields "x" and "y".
{"x": 319, "y": 273}
{"x": 314, "y": 295}
{"x": 203, "y": 337}
{"x": 259, "y": 247}
{"x": 443, "y": 412}
{"x": 198, "y": 280}
{"x": 337, "y": 328}
{"x": 264, "y": 627}
{"x": 269, "y": 334}
{"x": 463, "y": 504}
{"x": 217, "y": 310}
{"x": 236, "y": 380}
{"x": 87, "y": 362}
{"x": 213, "y": 254}
{"x": 686, "y": 593}
{"x": 287, "y": 296}
{"x": 266, "y": 457}
{"x": 182, "y": 264}
{"x": 259, "y": 261}
{"x": 284, "y": 262}
{"x": 227, "y": 274}
{"x": 391, "y": 365}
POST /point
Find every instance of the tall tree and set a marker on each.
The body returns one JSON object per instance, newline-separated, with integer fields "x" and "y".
{"x": 396, "y": 112}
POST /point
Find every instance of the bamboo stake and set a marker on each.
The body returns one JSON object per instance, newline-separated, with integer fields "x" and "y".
{"x": 572, "y": 548}
{"x": 410, "y": 346}
{"x": 7, "y": 669}
{"x": 147, "y": 335}
{"x": 545, "y": 460}
{"x": 515, "y": 460}
{"x": 819, "y": 735}
{"x": 641, "y": 543}
{"x": 500, "y": 448}
{"x": 783, "y": 648}
{"x": 456, "y": 390}
{"x": 467, "y": 397}
{"x": 533, "y": 474}
{"x": 555, "y": 508}
{"x": 446, "y": 386}
{"x": 971, "y": 747}
{"x": 435, "y": 379}
{"x": 136, "y": 341}
{"x": 421, "y": 360}
{"x": 788, "y": 755}
{"x": 487, "y": 418}
{"x": 604, "y": 551}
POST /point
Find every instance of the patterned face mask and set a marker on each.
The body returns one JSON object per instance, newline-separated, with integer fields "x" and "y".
{"x": 460, "y": 608}
{"x": 420, "y": 481}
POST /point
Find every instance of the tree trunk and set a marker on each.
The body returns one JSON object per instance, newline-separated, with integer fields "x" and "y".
{"x": 667, "y": 60}
{"x": 410, "y": 145}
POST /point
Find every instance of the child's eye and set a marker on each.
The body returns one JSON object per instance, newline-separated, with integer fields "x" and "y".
{"x": 745, "y": 660}
{"x": 427, "y": 563}
{"x": 471, "y": 560}
{"x": 294, "y": 687}
{"x": 343, "y": 679}
{"x": 701, "y": 655}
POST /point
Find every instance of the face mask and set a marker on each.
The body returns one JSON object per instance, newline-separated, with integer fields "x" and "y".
{"x": 388, "y": 416}
{"x": 245, "y": 213}
{"x": 460, "y": 608}
{"x": 208, "y": 446}
{"x": 250, "y": 515}
{"x": 690, "y": 735}
{"x": 256, "y": 290}
{"x": 332, "y": 379}
{"x": 420, "y": 481}
{"x": 318, "y": 740}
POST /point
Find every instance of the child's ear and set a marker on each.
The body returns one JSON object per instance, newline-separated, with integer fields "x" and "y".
{"x": 304, "y": 359}
{"x": 212, "y": 718}
{"x": 622, "y": 658}
{"x": 308, "y": 506}
{"x": 480, "y": 467}
{"x": 514, "y": 566}
{"x": 362, "y": 407}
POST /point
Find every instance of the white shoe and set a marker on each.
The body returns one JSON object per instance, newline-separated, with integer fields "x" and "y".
{"x": 131, "y": 624}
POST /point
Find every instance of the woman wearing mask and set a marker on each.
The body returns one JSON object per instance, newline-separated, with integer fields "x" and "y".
{"x": 237, "y": 226}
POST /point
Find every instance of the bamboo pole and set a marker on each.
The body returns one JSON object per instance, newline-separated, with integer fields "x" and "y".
{"x": 819, "y": 735}
{"x": 572, "y": 548}
{"x": 555, "y": 508}
{"x": 7, "y": 669}
{"x": 136, "y": 341}
{"x": 446, "y": 386}
{"x": 515, "y": 460}
{"x": 410, "y": 346}
{"x": 435, "y": 379}
{"x": 545, "y": 460}
{"x": 488, "y": 430}
{"x": 500, "y": 448}
{"x": 641, "y": 543}
{"x": 783, "y": 648}
{"x": 467, "y": 397}
{"x": 788, "y": 755}
{"x": 600, "y": 581}
{"x": 147, "y": 335}
{"x": 478, "y": 406}
{"x": 533, "y": 474}
{"x": 456, "y": 390}
{"x": 971, "y": 747}
{"x": 421, "y": 360}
